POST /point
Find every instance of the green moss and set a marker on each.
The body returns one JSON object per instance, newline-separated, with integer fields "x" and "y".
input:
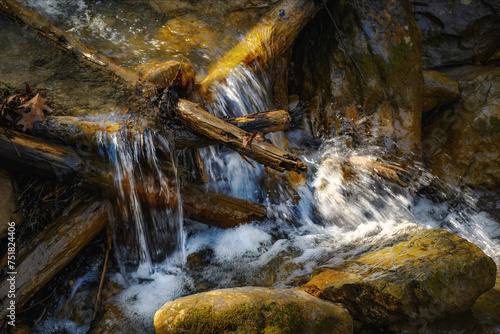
{"x": 494, "y": 128}
{"x": 8, "y": 85}
{"x": 270, "y": 319}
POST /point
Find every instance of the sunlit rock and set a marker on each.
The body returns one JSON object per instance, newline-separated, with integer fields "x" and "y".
{"x": 439, "y": 90}
{"x": 455, "y": 31}
{"x": 461, "y": 144}
{"x": 431, "y": 276}
{"x": 8, "y": 202}
{"x": 163, "y": 73}
{"x": 252, "y": 310}
{"x": 384, "y": 41}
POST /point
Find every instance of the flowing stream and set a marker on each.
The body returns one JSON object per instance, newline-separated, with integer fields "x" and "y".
{"x": 313, "y": 224}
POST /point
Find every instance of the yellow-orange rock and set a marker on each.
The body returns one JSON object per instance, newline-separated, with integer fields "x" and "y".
{"x": 433, "y": 275}
{"x": 252, "y": 310}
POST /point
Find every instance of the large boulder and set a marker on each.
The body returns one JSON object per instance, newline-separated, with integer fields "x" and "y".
{"x": 455, "y": 31}
{"x": 384, "y": 41}
{"x": 461, "y": 143}
{"x": 252, "y": 310}
{"x": 432, "y": 275}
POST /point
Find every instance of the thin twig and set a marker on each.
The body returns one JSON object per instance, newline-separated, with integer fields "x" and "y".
{"x": 343, "y": 44}
{"x": 99, "y": 292}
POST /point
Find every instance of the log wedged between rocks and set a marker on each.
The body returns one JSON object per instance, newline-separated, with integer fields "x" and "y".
{"x": 200, "y": 121}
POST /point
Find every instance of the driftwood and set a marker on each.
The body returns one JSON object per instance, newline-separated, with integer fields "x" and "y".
{"x": 268, "y": 39}
{"x": 55, "y": 248}
{"x": 43, "y": 158}
{"x": 70, "y": 43}
{"x": 204, "y": 123}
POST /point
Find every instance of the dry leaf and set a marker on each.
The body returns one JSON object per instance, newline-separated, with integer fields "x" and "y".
{"x": 254, "y": 136}
{"x": 38, "y": 106}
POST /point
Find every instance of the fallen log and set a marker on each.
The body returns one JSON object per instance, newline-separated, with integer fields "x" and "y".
{"x": 72, "y": 44}
{"x": 268, "y": 39}
{"x": 40, "y": 157}
{"x": 81, "y": 133}
{"x": 206, "y": 124}
{"x": 55, "y": 248}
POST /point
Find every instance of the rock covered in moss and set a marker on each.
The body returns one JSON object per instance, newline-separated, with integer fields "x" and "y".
{"x": 432, "y": 275}
{"x": 461, "y": 144}
{"x": 252, "y": 310}
{"x": 439, "y": 90}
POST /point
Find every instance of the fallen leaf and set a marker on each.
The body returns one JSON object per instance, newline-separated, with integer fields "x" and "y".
{"x": 254, "y": 136}
{"x": 36, "y": 114}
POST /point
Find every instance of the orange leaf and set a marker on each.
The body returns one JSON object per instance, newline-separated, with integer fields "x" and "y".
{"x": 36, "y": 107}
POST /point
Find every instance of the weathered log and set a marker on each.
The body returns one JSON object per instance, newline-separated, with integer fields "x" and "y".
{"x": 204, "y": 123}
{"x": 40, "y": 157}
{"x": 268, "y": 39}
{"x": 55, "y": 248}
{"x": 70, "y": 43}
{"x": 81, "y": 133}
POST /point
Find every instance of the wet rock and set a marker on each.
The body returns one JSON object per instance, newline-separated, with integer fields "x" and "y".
{"x": 8, "y": 202}
{"x": 115, "y": 320}
{"x": 461, "y": 143}
{"x": 455, "y": 31}
{"x": 252, "y": 309}
{"x": 439, "y": 90}
{"x": 163, "y": 73}
{"x": 487, "y": 307}
{"x": 433, "y": 275}
{"x": 384, "y": 41}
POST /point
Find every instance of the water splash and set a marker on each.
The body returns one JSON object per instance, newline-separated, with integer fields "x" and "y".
{"x": 146, "y": 210}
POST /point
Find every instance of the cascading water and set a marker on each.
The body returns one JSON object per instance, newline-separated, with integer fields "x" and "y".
{"x": 143, "y": 232}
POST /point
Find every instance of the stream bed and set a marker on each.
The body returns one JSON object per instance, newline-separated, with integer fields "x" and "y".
{"x": 328, "y": 221}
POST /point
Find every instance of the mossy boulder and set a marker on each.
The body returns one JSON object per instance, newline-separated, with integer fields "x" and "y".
{"x": 384, "y": 42}
{"x": 252, "y": 310}
{"x": 461, "y": 143}
{"x": 455, "y": 31}
{"x": 439, "y": 90}
{"x": 432, "y": 275}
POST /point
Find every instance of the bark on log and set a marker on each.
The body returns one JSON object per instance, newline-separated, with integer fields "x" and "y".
{"x": 268, "y": 39}
{"x": 69, "y": 42}
{"x": 34, "y": 155}
{"x": 55, "y": 248}
{"x": 202, "y": 122}
{"x": 76, "y": 132}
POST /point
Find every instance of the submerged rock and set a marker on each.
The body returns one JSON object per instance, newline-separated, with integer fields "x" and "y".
{"x": 461, "y": 144}
{"x": 384, "y": 41}
{"x": 455, "y": 31}
{"x": 252, "y": 310}
{"x": 439, "y": 90}
{"x": 431, "y": 276}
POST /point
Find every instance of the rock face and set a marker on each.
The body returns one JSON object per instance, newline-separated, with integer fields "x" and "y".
{"x": 431, "y": 276}
{"x": 461, "y": 144}
{"x": 439, "y": 90}
{"x": 455, "y": 31}
{"x": 252, "y": 310}
{"x": 384, "y": 40}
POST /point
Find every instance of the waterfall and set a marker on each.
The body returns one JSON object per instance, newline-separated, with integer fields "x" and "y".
{"x": 145, "y": 211}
